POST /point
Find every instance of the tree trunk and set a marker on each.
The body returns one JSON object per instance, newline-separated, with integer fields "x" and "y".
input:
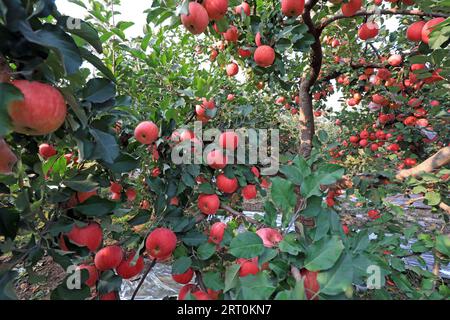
{"x": 438, "y": 160}
{"x": 307, "y": 129}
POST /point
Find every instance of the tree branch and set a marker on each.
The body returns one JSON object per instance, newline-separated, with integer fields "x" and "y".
{"x": 438, "y": 160}
{"x": 238, "y": 214}
{"x": 150, "y": 267}
{"x": 363, "y": 13}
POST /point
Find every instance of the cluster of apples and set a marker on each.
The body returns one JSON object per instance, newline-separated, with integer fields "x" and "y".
{"x": 200, "y": 15}
{"x": 421, "y": 30}
{"x": 41, "y": 111}
{"x": 293, "y": 106}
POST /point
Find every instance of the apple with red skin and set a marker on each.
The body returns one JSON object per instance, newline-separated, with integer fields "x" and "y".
{"x": 216, "y": 233}
{"x": 225, "y": 184}
{"x": 185, "y": 277}
{"x": 429, "y": 27}
{"x": 373, "y": 214}
{"x": 80, "y": 197}
{"x": 216, "y": 159}
{"x": 42, "y": 111}
{"x": 248, "y": 268}
{"x": 255, "y": 171}
{"x": 230, "y": 97}
{"x": 264, "y": 56}
{"x": 310, "y": 283}
{"x": 189, "y": 288}
{"x": 270, "y": 237}
{"x": 108, "y": 258}
{"x": 231, "y": 35}
{"x": 229, "y": 140}
{"x": 208, "y": 203}
{"x": 93, "y": 274}
{"x": 368, "y": 31}
{"x": 249, "y": 192}
{"x": 160, "y": 243}
{"x": 353, "y": 139}
{"x": 131, "y": 194}
{"x": 174, "y": 202}
{"x": 7, "y": 158}
{"x": 47, "y": 151}
{"x": 351, "y": 7}
{"x": 345, "y": 229}
{"x": 292, "y": 8}
{"x": 126, "y": 269}
{"x": 244, "y": 6}
{"x": 395, "y": 60}
{"x": 216, "y": 9}
{"x": 410, "y": 162}
{"x": 232, "y": 69}
{"x": 146, "y": 132}
{"x": 258, "y": 39}
{"x": 109, "y": 296}
{"x": 90, "y": 236}
{"x": 363, "y": 143}
{"x": 197, "y": 20}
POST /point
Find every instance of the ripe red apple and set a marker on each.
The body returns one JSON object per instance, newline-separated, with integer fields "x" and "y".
{"x": 7, "y": 158}
{"x": 410, "y": 121}
{"x": 109, "y": 296}
{"x": 232, "y": 69}
{"x": 247, "y": 268}
{"x": 393, "y": 147}
{"x": 249, "y": 192}
{"x": 127, "y": 269}
{"x": 410, "y": 162}
{"x": 146, "y": 132}
{"x": 243, "y": 6}
{"x": 414, "y": 31}
{"x": 208, "y": 203}
{"x": 230, "y": 97}
{"x": 197, "y": 20}
{"x": 292, "y": 8}
{"x": 244, "y": 53}
{"x": 374, "y": 147}
{"x": 42, "y": 111}
{"x": 184, "y": 278}
{"x": 232, "y": 34}
{"x": 310, "y": 283}
{"x": 80, "y": 197}
{"x": 264, "y": 56}
{"x": 131, "y": 194}
{"x": 225, "y": 184}
{"x": 269, "y": 236}
{"x": 200, "y": 295}
{"x": 216, "y": 8}
{"x": 364, "y": 134}
{"x": 216, "y": 159}
{"x": 346, "y": 229}
{"x": 108, "y": 258}
{"x": 258, "y": 39}
{"x": 174, "y": 201}
{"x": 422, "y": 122}
{"x": 384, "y": 74}
{"x": 351, "y": 7}
{"x": 373, "y": 214}
{"x": 160, "y": 243}
{"x": 429, "y": 27}
{"x": 115, "y": 187}
{"x": 353, "y": 139}
{"x": 229, "y": 140}
{"x": 216, "y": 233}
{"x": 189, "y": 288}
{"x": 47, "y": 151}
{"x": 156, "y": 172}
{"x": 93, "y": 274}
{"x": 368, "y": 30}
{"x": 395, "y": 60}
{"x": 90, "y": 236}
{"x": 255, "y": 171}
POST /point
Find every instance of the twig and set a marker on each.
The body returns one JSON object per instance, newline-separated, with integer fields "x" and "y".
{"x": 199, "y": 279}
{"x": 150, "y": 267}
{"x": 238, "y": 214}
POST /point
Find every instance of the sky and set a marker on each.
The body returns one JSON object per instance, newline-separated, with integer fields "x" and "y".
{"x": 133, "y": 10}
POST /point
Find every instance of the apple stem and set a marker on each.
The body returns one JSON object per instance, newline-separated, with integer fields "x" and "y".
{"x": 150, "y": 267}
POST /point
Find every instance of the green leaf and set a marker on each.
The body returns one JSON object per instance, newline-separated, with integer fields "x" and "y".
{"x": 443, "y": 244}
{"x": 283, "y": 194}
{"x": 82, "y": 29}
{"x": 213, "y": 281}
{"x": 106, "y": 147}
{"x": 99, "y": 90}
{"x": 293, "y": 173}
{"x": 323, "y": 255}
{"x": 290, "y": 245}
{"x": 338, "y": 279}
{"x": 231, "y": 277}
{"x": 9, "y": 222}
{"x": 98, "y": 63}
{"x": 124, "y": 163}
{"x": 433, "y": 198}
{"x": 194, "y": 238}
{"x": 181, "y": 265}
{"x": 81, "y": 185}
{"x": 206, "y": 250}
{"x": 96, "y": 207}
{"x": 246, "y": 245}
{"x": 256, "y": 287}
{"x": 62, "y": 292}
{"x": 54, "y": 38}
{"x": 109, "y": 282}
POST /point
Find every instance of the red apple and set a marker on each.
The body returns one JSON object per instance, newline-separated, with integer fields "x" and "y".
{"x": 197, "y": 20}
{"x": 270, "y": 236}
{"x": 292, "y": 8}
{"x": 108, "y": 258}
{"x": 225, "y": 184}
{"x": 232, "y": 69}
{"x": 127, "y": 269}
{"x": 429, "y": 27}
{"x": 208, "y": 203}
{"x": 47, "y": 151}
{"x": 7, "y": 158}
{"x": 146, "y": 132}
{"x": 93, "y": 274}
{"x": 229, "y": 140}
{"x": 184, "y": 278}
{"x": 264, "y": 56}
{"x": 216, "y": 159}
{"x": 160, "y": 243}
{"x": 216, "y": 233}
{"x": 351, "y": 7}
{"x": 244, "y": 6}
{"x": 90, "y": 236}
{"x": 247, "y": 268}
{"x": 249, "y": 192}
{"x": 42, "y": 111}
{"x": 216, "y": 8}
